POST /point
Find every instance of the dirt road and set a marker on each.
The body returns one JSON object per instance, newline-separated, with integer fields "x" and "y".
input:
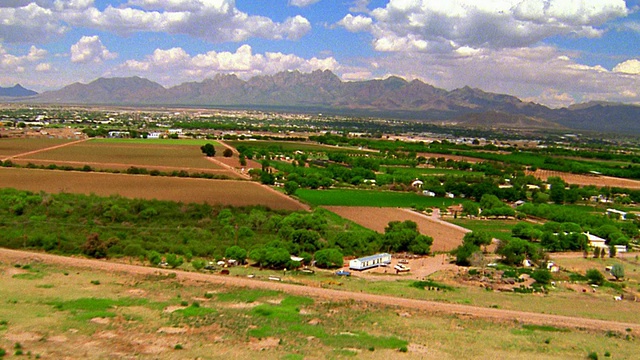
{"x": 499, "y": 315}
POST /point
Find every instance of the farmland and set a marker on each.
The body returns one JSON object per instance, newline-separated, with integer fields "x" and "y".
{"x": 13, "y": 146}
{"x": 344, "y": 197}
{"x": 122, "y": 154}
{"x": 225, "y": 192}
{"x": 446, "y": 237}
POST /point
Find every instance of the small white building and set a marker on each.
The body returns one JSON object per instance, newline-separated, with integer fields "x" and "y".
{"x": 596, "y": 241}
{"x": 428, "y": 193}
{"x": 371, "y": 261}
{"x": 620, "y": 213}
{"x": 620, "y": 248}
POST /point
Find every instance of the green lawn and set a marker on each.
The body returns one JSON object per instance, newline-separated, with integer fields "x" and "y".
{"x": 344, "y": 197}
{"x": 499, "y": 229}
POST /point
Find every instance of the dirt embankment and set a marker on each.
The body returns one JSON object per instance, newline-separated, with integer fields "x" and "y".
{"x": 499, "y": 315}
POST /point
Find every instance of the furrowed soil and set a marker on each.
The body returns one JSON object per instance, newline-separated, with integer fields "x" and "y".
{"x": 446, "y": 236}
{"x": 225, "y": 192}
{"x": 584, "y": 180}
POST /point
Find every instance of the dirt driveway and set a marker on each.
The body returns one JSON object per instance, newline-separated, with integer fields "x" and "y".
{"x": 499, "y": 315}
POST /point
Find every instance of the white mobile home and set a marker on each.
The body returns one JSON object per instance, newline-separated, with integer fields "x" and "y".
{"x": 368, "y": 262}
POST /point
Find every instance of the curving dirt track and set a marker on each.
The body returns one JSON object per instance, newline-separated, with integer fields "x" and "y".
{"x": 498, "y": 315}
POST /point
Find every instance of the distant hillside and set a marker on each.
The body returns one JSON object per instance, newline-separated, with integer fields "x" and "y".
{"x": 16, "y": 91}
{"x": 323, "y": 91}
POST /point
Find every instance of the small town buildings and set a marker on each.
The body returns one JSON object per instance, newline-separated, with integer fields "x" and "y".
{"x": 119, "y": 134}
{"x": 369, "y": 262}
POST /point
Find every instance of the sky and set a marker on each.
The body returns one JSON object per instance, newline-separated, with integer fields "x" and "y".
{"x": 553, "y": 52}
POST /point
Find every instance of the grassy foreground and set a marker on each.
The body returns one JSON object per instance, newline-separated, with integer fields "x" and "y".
{"x": 56, "y": 312}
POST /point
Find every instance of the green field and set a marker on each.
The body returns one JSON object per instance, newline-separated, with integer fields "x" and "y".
{"x": 499, "y": 229}
{"x": 343, "y": 197}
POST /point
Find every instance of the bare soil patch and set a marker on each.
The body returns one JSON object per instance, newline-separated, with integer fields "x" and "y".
{"x": 225, "y": 192}
{"x": 584, "y": 180}
{"x": 446, "y": 237}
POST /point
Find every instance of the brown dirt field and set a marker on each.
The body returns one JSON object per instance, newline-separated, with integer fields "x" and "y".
{"x": 225, "y": 192}
{"x": 498, "y": 315}
{"x": 122, "y": 167}
{"x": 584, "y": 180}
{"x": 10, "y": 147}
{"x": 446, "y": 237}
{"x": 452, "y": 157}
{"x": 142, "y": 155}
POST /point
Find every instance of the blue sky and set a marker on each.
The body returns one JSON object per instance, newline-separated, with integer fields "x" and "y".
{"x": 554, "y": 52}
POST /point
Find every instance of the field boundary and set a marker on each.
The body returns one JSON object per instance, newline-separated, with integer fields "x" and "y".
{"x": 498, "y": 315}
{"x": 44, "y": 149}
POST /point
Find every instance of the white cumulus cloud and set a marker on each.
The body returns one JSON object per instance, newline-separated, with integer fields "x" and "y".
{"x": 211, "y": 20}
{"x": 628, "y": 67}
{"x": 302, "y": 3}
{"x": 90, "y": 49}
{"x": 424, "y": 25}
{"x": 543, "y": 74}
{"x": 174, "y": 66}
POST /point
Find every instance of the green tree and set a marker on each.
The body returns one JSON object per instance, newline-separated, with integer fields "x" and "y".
{"x": 227, "y": 153}
{"x": 208, "y": 149}
{"x": 594, "y": 276}
{"x": 174, "y": 261}
{"x": 470, "y": 208}
{"x": 154, "y": 258}
{"x": 542, "y": 276}
{"x": 329, "y": 258}
{"x": 237, "y": 253}
{"x": 290, "y": 187}
{"x": 617, "y": 271}
{"x": 477, "y": 238}
{"x": 198, "y": 264}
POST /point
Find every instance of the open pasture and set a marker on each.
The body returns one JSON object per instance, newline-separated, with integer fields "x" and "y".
{"x": 343, "y": 197}
{"x": 109, "y": 155}
{"x": 13, "y": 146}
{"x": 104, "y": 310}
{"x": 224, "y": 192}
{"x": 446, "y": 237}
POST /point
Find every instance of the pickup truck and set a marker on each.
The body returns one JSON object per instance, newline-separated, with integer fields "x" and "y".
{"x": 401, "y": 268}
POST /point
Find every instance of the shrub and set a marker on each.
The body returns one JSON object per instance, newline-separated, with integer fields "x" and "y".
{"x": 3, "y": 352}
{"x": 403, "y": 349}
{"x": 178, "y": 347}
{"x": 595, "y": 277}
{"x": 617, "y": 271}
{"x": 592, "y": 356}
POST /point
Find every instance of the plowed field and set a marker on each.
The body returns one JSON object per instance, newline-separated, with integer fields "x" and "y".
{"x": 446, "y": 237}
{"x": 584, "y": 180}
{"x": 225, "y": 192}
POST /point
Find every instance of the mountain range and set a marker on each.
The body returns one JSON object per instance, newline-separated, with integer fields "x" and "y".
{"x": 323, "y": 91}
{"x": 16, "y": 91}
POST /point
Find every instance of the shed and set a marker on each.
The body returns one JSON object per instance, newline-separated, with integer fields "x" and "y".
{"x": 596, "y": 241}
{"x": 371, "y": 261}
